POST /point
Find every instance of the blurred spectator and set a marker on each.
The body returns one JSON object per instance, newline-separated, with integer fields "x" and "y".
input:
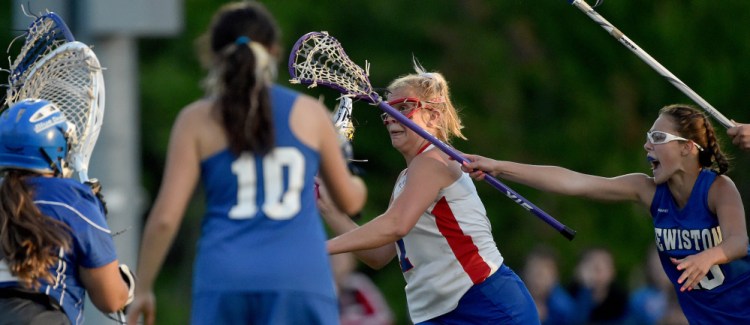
{"x": 360, "y": 301}
{"x": 599, "y": 299}
{"x": 541, "y": 275}
{"x": 655, "y": 302}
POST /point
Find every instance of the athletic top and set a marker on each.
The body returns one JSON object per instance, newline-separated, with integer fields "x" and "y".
{"x": 449, "y": 249}
{"x": 73, "y": 203}
{"x": 261, "y": 230}
{"x": 723, "y": 296}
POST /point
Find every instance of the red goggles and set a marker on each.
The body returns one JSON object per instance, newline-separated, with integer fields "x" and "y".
{"x": 407, "y": 106}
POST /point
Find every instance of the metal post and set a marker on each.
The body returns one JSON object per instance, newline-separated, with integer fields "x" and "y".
{"x": 116, "y": 159}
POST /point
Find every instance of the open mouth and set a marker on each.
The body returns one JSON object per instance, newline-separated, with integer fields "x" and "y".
{"x": 654, "y": 162}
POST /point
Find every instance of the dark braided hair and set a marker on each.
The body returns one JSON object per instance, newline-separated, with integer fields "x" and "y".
{"x": 694, "y": 125}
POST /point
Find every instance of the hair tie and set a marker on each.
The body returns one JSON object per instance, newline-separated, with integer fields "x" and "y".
{"x": 428, "y": 75}
{"x": 242, "y": 40}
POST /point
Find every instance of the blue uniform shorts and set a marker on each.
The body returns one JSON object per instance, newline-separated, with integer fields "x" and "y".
{"x": 500, "y": 299}
{"x": 218, "y": 308}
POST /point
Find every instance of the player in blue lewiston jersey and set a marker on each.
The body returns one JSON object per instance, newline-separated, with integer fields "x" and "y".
{"x": 256, "y": 148}
{"x": 698, "y": 216}
{"x": 55, "y": 242}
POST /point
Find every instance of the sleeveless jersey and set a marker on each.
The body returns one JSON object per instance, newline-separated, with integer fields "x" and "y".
{"x": 448, "y": 251}
{"x": 261, "y": 230}
{"x": 723, "y": 296}
{"x": 74, "y": 204}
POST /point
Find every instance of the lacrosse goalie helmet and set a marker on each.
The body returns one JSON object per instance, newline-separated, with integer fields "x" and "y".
{"x": 34, "y": 136}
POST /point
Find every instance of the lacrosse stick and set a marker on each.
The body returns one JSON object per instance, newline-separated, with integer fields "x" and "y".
{"x": 45, "y": 34}
{"x": 71, "y": 77}
{"x": 342, "y": 121}
{"x": 319, "y": 59}
{"x": 617, "y": 34}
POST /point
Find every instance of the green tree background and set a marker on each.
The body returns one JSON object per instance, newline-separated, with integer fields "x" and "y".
{"x": 536, "y": 82}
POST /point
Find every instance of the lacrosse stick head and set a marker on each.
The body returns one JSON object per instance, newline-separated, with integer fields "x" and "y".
{"x": 34, "y": 136}
{"x": 318, "y": 59}
{"x": 44, "y": 34}
{"x": 71, "y": 78}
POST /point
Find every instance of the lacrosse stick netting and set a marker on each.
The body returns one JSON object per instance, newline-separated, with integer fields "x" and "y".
{"x": 318, "y": 58}
{"x": 45, "y": 34}
{"x": 71, "y": 77}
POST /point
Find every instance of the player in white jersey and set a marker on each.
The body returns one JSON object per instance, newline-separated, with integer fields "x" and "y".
{"x": 436, "y": 224}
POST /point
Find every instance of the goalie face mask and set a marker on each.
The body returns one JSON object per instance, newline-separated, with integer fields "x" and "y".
{"x": 34, "y": 136}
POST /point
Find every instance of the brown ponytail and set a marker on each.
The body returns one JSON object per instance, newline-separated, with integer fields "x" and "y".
{"x": 242, "y": 71}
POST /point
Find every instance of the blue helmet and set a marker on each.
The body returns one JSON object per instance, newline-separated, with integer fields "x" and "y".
{"x": 34, "y": 136}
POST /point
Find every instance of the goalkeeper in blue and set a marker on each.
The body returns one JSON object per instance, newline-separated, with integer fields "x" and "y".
{"x": 56, "y": 246}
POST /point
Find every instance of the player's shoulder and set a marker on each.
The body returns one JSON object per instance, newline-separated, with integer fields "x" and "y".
{"x": 59, "y": 185}
{"x": 309, "y": 105}
{"x": 433, "y": 158}
{"x": 723, "y": 188}
{"x": 199, "y": 109}
{"x": 434, "y": 168}
{"x": 70, "y": 200}
{"x": 196, "y": 118}
{"x": 308, "y": 117}
{"x": 639, "y": 186}
{"x": 724, "y": 180}
{"x": 63, "y": 190}
{"x": 301, "y": 100}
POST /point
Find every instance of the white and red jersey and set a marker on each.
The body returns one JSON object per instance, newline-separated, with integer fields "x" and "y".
{"x": 448, "y": 251}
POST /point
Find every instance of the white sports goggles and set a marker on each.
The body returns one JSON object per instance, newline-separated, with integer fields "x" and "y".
{"x": 660, "y": 137}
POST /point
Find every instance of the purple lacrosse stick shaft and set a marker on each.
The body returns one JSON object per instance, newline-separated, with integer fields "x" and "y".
{"x": 453, "y": 153}
{"x": 368, "y": 95}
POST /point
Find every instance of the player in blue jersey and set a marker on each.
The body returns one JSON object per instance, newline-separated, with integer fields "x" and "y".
{"x": 56, "y": 245}
{"x": 698, "y": 215}
{"x": 256, "y": 147}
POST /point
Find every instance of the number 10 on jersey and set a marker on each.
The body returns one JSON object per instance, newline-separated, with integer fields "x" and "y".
{"x": 282, "y": 195}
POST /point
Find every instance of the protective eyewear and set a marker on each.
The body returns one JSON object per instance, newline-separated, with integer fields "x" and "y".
{"x": 407, "y": 106}
{"x": 660, "y": 137}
